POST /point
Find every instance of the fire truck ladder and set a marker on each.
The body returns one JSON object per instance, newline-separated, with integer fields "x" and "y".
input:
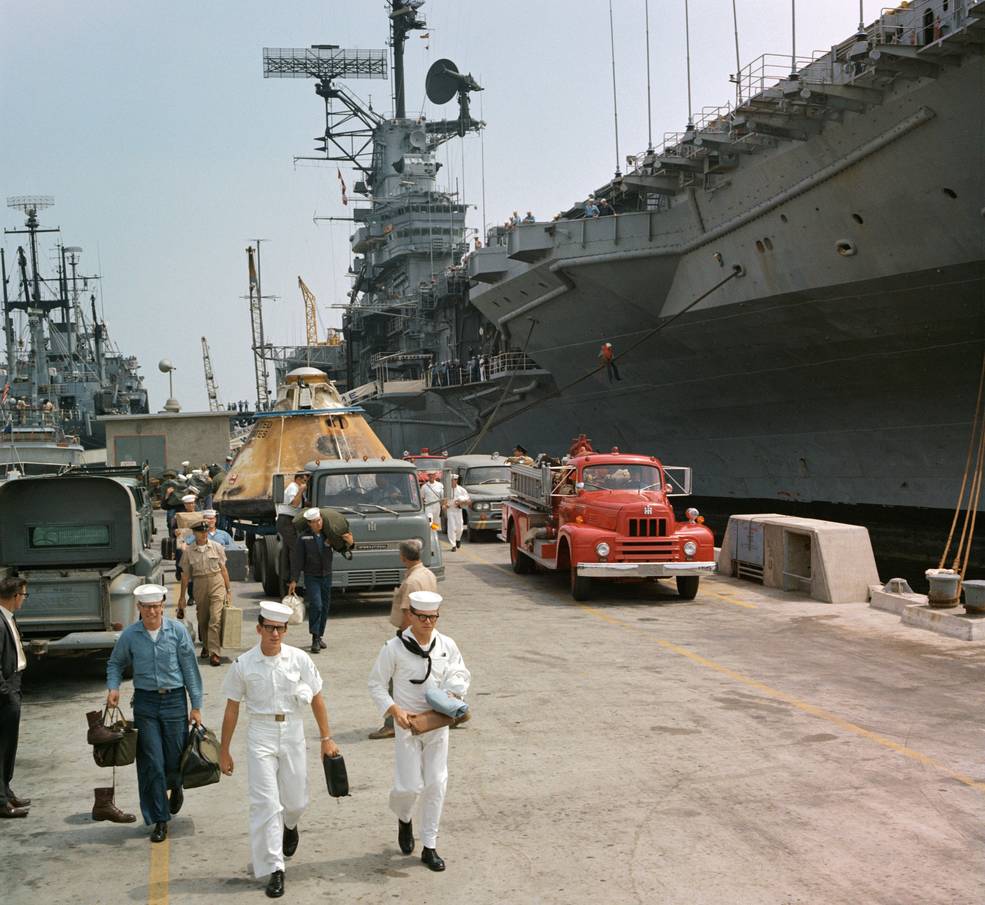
{"x": 256, "y": 323}
{"x": 210, "y": 386}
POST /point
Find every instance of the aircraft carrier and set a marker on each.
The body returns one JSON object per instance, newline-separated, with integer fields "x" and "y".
{"x": 794, "y": 286}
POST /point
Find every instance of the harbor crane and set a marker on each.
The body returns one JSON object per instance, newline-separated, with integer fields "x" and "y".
{"x": 210, "y": 386}
{"x": 260, "y": 370}
{"x": 310, "y": 315}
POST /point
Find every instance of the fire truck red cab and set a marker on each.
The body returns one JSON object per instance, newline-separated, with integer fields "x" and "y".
{"x": 606, "y": 516}
{"x": 426, "y": 462}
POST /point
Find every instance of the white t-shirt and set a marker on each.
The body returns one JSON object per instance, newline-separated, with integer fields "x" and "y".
{"x": 153, "y": 632}
{"x": 285, "y": 508}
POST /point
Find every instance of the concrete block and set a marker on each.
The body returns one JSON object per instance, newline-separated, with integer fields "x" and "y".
{"x": 893, "y": 602}
{"x": 954, "y": 623}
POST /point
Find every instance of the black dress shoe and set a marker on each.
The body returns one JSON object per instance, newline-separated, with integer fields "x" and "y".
{"x": 19, "y": 802}
{"x": 315, "y": 644}
{"x": 176, "y": 800}
{"x": 405, "y": 836}
{"x": 432, "y": 859}
{"x": 291, "y": 839}
{"x": 275, "y": 885}
{"x": 8, "y": 809}
{"x": 160, "y": 832}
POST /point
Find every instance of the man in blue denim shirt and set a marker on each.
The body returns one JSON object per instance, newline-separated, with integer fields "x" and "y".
{"x": 161, "y": 653}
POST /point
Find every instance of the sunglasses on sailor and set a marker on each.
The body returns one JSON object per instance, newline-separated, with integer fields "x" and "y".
{"x": 280, "y": 629}
{"x": 425, "y": 617}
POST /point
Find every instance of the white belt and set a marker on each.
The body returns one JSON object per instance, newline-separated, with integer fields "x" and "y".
{"x": 274, "y": 717}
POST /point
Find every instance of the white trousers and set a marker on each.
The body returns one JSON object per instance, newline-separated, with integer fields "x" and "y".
{"x": 420, "y": 775}
{"x": 278, "y": 777}
{"x": 434, "y": 512}
{"x": 456, "y": 524}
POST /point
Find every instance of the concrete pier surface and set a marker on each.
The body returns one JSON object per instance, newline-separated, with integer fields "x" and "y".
{"x": 744, "y": 748}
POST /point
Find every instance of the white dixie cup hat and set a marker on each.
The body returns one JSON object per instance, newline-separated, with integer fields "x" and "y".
{"x": 274, "y": 611}
{"x": 312, "y": 514}
{"x": 425, "y": 601}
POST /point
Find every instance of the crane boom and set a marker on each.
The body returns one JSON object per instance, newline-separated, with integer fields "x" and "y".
{"x": 256, "y": 323}
{"x": 310, "y": 313}
{"x": 210, "y": 386}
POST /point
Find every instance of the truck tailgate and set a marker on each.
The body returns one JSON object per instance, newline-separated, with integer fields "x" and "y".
{"x": 66, "y": 601}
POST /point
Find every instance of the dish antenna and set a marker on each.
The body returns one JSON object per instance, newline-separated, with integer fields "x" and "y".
{"x": 165, "y": 366}
{"x": 443, "y": 82}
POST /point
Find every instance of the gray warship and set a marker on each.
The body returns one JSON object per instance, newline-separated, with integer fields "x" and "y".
{"x": 62, "y": 369}
{"x": 794, "y": 286}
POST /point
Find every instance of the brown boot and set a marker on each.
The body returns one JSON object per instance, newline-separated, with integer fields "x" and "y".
{"x": 98, "y": 733}
{"x": 105, "y": 808}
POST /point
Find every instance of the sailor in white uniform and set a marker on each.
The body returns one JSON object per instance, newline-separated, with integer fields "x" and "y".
{"x": 432, "y": 493}
{"x": 417, "y": 659}
{"x": 458, "y": 500}
{"x": 275, "y": 681}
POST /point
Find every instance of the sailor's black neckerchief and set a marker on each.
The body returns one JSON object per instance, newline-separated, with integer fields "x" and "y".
{"x": 415, "y": 648}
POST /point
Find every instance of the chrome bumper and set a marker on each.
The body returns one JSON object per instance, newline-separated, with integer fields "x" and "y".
{"x": 75, "y": 642}
{"x": 643, "y": 569}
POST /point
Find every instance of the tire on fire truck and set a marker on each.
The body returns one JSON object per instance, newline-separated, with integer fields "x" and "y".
{"x": 581, "y": 585}
{"x": 687, "y": 586}
{"x": 522, "y": 564}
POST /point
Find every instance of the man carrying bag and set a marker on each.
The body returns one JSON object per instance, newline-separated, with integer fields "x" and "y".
{"x": 165, "y": 674}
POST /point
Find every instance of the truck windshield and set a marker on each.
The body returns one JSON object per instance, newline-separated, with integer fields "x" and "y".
{"x": 368, "y": 491}
{"x": 427, "y": 463}
{"x": 621, "y": 477}
{"x": 491, "y": 474}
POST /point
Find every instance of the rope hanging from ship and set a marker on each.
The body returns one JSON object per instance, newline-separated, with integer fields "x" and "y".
{"x": 976, "y": 473}
{"x": 490, "y": 423}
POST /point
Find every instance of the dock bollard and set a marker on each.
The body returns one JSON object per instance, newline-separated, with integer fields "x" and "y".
{"x": 944, "y": 587}
{"x": 974, "y": 597}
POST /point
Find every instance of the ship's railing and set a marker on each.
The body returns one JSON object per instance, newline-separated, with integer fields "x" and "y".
{"x": 766, "y": 71}
{"x": 918, "y": 25}
{"x": 478, "y": 369}
{"x": 511, "y": 362}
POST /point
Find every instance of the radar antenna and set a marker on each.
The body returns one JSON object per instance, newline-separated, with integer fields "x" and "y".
{"x": 443, "y": 82}
{"x": 210, "y": 386}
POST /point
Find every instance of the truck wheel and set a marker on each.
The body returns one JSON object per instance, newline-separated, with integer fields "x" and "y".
{"x": 522, "y": 564}
{"x": 581, "y": 586}
{"x": 687, "y": 586}
{"x": 271, "y": 577}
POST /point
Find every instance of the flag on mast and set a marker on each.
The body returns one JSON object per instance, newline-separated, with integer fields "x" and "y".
{"x": 345, "y": 197}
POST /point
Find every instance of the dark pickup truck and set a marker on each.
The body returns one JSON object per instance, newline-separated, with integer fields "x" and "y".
{"x": 83, "y": 545}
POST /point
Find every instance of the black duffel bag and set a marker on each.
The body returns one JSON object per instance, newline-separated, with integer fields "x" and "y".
{"x": 200, "y": 759}
{"x": 120, "y": 753}
{"x": 336, "y": 777}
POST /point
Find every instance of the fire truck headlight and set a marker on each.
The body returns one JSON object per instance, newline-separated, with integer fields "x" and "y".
{"x": 602, "y": 549}
{"x": 690, "y": 548}
{"x": 692, "y": 514}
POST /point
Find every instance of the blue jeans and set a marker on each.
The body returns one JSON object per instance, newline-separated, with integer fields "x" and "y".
{"x": 318, "y": 597}
{"x": 162, "y": 729}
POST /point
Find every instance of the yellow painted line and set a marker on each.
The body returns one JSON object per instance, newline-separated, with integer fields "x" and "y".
{"x": 742, "y": 603}
{"x": 157, "y": 879}
{"x": 811, "y": 709}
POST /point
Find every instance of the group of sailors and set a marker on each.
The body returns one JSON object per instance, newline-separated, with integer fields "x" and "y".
{"x": 451, "y": 372}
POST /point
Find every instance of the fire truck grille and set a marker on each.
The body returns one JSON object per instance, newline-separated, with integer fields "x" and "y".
{"x": 631, "y": 550}
{"x": 647, "y": 527}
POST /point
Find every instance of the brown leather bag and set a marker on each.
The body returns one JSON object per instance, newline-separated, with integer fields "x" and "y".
{"x": 120, "y": 753}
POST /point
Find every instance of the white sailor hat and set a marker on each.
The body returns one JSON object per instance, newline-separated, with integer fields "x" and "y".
{"x": 210, "y": 513}
{"x": 189, "y": 498}
{"x": 274, "y": 611}
{"x": 425, "y": 601}
{"x": 150, "y": 593}
{"x": 186, "y": 462}
{"x": 311, "y": 514}
{"x": 454, "y": 476}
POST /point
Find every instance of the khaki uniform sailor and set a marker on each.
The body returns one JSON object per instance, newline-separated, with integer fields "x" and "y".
{"x": 204, "y": 562}
{"x": 418, "y": 660}
{"x": 275, "y": 683}
{"x": 458, "y": 499}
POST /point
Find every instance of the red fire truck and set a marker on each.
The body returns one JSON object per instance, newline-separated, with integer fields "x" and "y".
{"x": 606, "y": 516}
{"x": 425, "y": 462}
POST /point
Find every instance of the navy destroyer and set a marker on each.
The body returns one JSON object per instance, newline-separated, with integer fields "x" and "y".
{"x": 794, "y": 286}
{"x": 62, "y": 370}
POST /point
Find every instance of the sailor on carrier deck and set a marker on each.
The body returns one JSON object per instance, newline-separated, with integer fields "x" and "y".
{"x": 275, "y": 681}
{"x": 418, "y": 660}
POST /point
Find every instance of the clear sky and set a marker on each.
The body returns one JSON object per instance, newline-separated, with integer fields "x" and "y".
{"x": 167, "y": 152}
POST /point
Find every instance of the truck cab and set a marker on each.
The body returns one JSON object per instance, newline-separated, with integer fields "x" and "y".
{"x": 606, "y": 516}
{"x": 80, "y": 543}
{"x": 381, "y": 500}
{"x": 426, "y": 463}
{"x": 486, "y": 479}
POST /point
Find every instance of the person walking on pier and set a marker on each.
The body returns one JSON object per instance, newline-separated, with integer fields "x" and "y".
{"x": 205, "y": 564}
{"x": 13, "y": 662}
{"x": 160, "y": 652}
{"x": 458, "y": 500}
{"x": 287, "y": 510}
{"x": 274, "y": 681}
{"x": 417, "y": 577}
{"x": 417, "y": 660}
{"x": 313, "y": 556}
{"x": 433, "y": 492}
